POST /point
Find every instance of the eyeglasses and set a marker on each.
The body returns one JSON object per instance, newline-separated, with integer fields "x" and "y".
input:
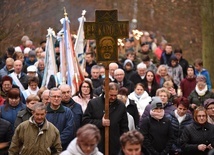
{"x": 201, "y": 116}
{"x": 211, "y": 108}
{"x": 119, "y": 74}
{"x": 56, "y": 96}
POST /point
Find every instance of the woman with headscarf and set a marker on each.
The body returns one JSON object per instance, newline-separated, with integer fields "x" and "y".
{"x": 198, "y": 138}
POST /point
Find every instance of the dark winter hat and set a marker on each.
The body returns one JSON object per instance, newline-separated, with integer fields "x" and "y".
{"x": 173, "y": 57}
{"x": 7, "y": 78}
{"x": 145, "y": 58}
{"x": 144, "y": 43}
{"x": 32, "y": 54}
{"x": 156, "y": 103}
{"x": 178, "y": 50}
{"x": 208, "y": 102}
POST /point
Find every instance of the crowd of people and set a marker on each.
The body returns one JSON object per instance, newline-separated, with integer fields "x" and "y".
{"x": 159, "y": 104}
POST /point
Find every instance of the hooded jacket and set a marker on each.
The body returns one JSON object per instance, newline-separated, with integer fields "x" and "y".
{"x": 176, "y": 72}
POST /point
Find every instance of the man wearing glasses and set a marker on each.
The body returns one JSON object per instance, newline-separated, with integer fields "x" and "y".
{"x": 61, "y": 116}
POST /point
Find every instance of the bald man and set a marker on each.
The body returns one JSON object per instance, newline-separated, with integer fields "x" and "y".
{"x": 70, "y": 103}
{"x": 19, "y": 78}
{"x": 8, "y": 68}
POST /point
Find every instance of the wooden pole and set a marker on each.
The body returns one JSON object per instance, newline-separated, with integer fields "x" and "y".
{"x": 107, "y": 107}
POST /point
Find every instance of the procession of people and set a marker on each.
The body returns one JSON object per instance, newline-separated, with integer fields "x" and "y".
{"x": 159, "y": 104}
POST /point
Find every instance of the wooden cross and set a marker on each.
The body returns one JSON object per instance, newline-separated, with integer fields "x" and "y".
{"x": 106, "y": 30}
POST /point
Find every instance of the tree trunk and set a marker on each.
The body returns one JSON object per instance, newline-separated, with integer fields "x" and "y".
{"x": 207, "y": 12}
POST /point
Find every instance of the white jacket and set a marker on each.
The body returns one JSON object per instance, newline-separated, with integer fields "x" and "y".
{"x": 142, "y": 102}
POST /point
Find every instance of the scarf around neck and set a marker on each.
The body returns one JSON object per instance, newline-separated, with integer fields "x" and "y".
{"x": 201, "y": 92}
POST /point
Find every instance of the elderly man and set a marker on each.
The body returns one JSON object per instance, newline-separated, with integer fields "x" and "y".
{"x": 45, "y": 96}
{"x": 8, "y": 68}
{"x": 61, "y": 116}
{"x": 138, "y": 76}
{"x": 19, "y": 78}
{"x": 36, "y": 135}
{"x": 118, "y": 122}
{"x": 70, "y": 103}
{"x": 112, "y": 67}
{"x": 120, "y": 79}
{"x": 209, "y": 105}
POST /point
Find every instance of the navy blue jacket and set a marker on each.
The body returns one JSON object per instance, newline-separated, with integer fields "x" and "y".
{"x": 63, "y": 120}
{"x": 77, "y": 110}
{"x": 178, "y": 127}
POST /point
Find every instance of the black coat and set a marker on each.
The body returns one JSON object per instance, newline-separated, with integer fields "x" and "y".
{"x": 118, "y": 121}
{"x": 127, "y": 84}
{"x": 196, "y": 134}
{"x": 24, "y": 80}
{"x": 132, "y": 110}
{"x": 158, "y": 135}
{"x": 184, "y": 64}
{"x": 135, "y": 78}
{"x": 178, "y": 128}
{"x": 6, "y": 133}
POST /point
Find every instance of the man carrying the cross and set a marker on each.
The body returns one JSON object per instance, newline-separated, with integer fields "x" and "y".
{"x": 117, "y": 121}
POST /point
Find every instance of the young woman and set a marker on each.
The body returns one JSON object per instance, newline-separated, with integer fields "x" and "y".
{"x": 141, "y": 97}
{"x": 85, "y": 94}
{"x": 150, "y": 83}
